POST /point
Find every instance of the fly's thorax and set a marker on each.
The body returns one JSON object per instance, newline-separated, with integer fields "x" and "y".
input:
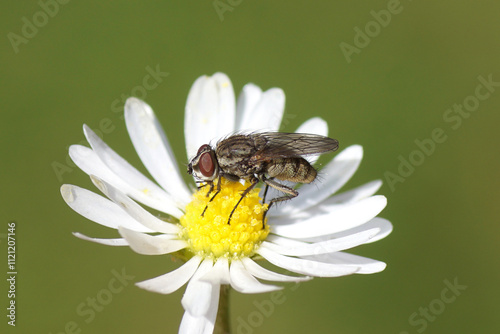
{"x": 297, "y": 170}
{"x": 234, "y": 154}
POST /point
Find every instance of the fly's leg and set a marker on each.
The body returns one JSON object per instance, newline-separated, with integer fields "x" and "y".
{"x": 204, "y": 184}
{"x": 254, "y": 182}
{"x": 211, "y": 188}
{"x": 209, "y": 192}
{"x": 265, "y": 193}
{"x": 290, "y": 193}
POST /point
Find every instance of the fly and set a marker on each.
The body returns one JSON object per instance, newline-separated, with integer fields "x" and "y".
{"x": 260, "y": 157}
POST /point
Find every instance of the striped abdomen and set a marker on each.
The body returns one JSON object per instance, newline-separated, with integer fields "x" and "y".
{"x": 291, "y": 169}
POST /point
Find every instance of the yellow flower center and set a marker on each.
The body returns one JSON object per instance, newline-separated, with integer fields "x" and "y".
{"x": 211, "y": 235}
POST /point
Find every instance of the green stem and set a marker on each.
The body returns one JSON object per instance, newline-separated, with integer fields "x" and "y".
{"x": 222, "y": 321}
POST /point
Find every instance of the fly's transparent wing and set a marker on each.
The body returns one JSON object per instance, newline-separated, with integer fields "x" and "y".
{"x": 291, "y": 145}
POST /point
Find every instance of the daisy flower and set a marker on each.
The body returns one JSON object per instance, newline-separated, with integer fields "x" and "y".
{"x": 306, "y": 236}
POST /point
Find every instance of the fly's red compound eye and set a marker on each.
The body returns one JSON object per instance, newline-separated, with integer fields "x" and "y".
{"x": 202, "y": 147}
{"x": 206, "y": 164}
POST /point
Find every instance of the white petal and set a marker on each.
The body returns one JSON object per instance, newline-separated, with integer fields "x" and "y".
{"x": 265, "y": 115}
{"x": 133, "y": 209}
{"x": 344, "y": 217}
{"x": 89, "y": 162}
{"x": 203, "y": 324}
{"x": 209, "y": 111}
{"x": 323, "y": 247}
{"x": 219, "y": 273}
{"x": 332, "y": 178}
{"x": 107, "y": 242}
{"x": 153, "y": 148}
{"x": 242, "y": 281}
{"x": 193, "y": 325}
{"x": 159, "y": 198}
{"x": 255, "y": 270}
{"x": 306, "y": 267}
{"x": 172, "y": 281}
{"x": 286, "y": 242}
{"x": 317, "y": 126}
{"x": 151, "y": 245}
{"x": 365, "y": 265}
{"x": 332, "y": 203}
{"x": 383, "y": 225}
{"x": 247, "y": 100}
{"x": 353, "y": 195}
{"x": 98, "y": 209}
{"x": 199, "y": 294}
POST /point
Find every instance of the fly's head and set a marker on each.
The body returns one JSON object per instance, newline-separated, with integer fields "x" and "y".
{"x": 204, "y": 165}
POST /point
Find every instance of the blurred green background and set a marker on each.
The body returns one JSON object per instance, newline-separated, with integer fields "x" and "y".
{"x": 384, "y": 88}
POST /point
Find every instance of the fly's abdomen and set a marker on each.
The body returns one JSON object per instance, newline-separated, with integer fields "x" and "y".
{"x": 291, "y": 169}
